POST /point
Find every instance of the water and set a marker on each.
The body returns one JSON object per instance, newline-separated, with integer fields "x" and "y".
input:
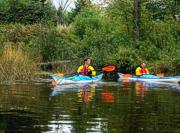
{"x": 103, "y": 108}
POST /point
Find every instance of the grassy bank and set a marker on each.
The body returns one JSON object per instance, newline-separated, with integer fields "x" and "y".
{"x": 15, "y": 64}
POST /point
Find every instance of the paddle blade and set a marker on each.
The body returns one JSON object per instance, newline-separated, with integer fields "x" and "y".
{"x": 109, "y": 68}
{"x": 160, "y": 74}
{"x": 127, "y": 75}
{"x": 59, "y": 74}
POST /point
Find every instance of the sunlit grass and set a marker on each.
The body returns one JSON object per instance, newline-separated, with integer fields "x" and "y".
{"x": 15, "y": 64}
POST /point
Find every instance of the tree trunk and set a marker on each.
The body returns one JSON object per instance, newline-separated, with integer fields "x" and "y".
{"x": 137, "y": 17}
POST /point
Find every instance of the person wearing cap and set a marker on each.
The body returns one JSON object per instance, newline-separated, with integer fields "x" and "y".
{"x": 142, "y": 69}
{"x": 86, "y": 69}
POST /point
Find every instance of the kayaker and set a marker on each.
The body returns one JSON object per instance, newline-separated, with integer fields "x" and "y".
{"x": 86, "y": 69}
{"x": 142, "y": 69}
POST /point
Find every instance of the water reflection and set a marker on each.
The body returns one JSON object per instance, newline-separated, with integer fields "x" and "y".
{"x": 65, "y": 88}
{"x": 80, "y": 119}
{"x": 86, "y": 92}
{"x": 98, "y": 125}
{"x": 61, "y": 126}
{"x": 20, "y": 108}
{"x": 151, "y": 84}
{"x": 107, "y": 96}
{"x": 141, "y": 88}
{"x": 127, "y": 107}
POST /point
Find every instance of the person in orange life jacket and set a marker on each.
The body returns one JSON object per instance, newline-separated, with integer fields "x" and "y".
{"x": 86, "y": 69}
{"x": 142, "y": 69}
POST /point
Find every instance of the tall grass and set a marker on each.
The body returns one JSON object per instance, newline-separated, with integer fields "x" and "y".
{"x": 15, "y": 64}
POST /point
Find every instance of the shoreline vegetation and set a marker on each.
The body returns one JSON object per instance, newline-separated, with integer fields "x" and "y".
{"x": 120, "y": 33}
{"x": 15, "y": 64}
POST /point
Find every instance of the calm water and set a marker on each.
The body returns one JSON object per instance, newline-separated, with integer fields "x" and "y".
{"x": 103, "y": 108}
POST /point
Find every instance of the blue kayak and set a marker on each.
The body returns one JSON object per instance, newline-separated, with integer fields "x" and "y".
{"x": 76, "y": 79}
{"x": 151, "y": 78}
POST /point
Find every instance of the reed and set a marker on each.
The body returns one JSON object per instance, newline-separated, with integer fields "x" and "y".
{"x": 15, "y": 64}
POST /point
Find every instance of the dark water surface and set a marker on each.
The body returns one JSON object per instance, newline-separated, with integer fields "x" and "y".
{"x": 103, "y": 108}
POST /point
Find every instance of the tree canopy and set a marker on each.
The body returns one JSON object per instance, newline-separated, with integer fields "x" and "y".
{"x": 121, "y": 32}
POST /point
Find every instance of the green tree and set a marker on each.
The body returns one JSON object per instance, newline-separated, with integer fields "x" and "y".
{"x": 87, "y": 18}
{"x": 164, "y": 9}
{"x": 79, "y": 5}
{"x": 26, "y": 12}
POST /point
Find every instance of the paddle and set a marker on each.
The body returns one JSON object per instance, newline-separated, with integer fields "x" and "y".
{"x": 109, "y": 68}
{"x": 160, "y": 74}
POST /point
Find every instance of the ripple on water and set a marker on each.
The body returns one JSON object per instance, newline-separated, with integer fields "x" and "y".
{"x": 105, "y": 108}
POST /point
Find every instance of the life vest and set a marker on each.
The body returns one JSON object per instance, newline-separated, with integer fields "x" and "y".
{"x": 140, "y": 71}
{"x": 85, "y": 71}
{"x": 88, "y": 71}
{"x": 143, "y": 71}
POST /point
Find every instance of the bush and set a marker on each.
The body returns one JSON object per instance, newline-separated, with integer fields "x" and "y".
{"x": 50, "y": 42}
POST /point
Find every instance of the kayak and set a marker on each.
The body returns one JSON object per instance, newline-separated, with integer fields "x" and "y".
{"x": 150, "y": 78}
{"x": 76, "y": 79}
{"x": 175, "y": 76}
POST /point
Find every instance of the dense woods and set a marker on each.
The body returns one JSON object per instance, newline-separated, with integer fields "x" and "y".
{"x": 120, "y": 32}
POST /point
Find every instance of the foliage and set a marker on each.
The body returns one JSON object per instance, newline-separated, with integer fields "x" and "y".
{"x": 107, "y": 36}
{"x": 26, "y": 12}
{"x": 89, "y": 18}
{"x": 48, "y": 41}
{"x": 159, "y": 40}
{"x": 79, "y": 6}
{"x": 164, "y": 9}
{"x": 56, "y": 45}
{"x": 16, "y": 64}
